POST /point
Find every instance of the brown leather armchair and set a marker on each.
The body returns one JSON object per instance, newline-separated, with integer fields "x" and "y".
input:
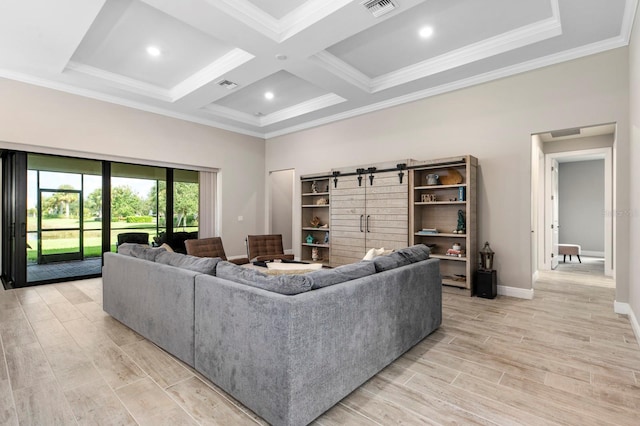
{"x": 210, "y": 247}
{"x": 263, "y": 248}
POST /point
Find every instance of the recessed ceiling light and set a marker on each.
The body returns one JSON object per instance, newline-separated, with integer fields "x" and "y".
{"x": 269, "y": 95}
{"x": 153, "y": 51}
{"x": 426, "y": 32}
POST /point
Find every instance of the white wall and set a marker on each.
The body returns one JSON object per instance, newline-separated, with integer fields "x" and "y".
{"x": 45, "y": 120}
{"x": 493, "y": 122}
{"x": 634, "y": 209}
{"x": 581, "y": 205}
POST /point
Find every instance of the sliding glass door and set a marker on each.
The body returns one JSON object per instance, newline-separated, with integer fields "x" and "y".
{"x": 59, "y": 214}
{"x": 59, "y": 234}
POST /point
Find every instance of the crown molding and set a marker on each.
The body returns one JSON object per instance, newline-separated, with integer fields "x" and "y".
{"x": 576, "y": 53}
{"x": 291, "y": 24}
{"x": 91, "y": 94}
{"x": 520, "y": 37}
{"x": 302, "y": 108}
{"x": 275, "y": 117}
{"x": 628, "y": 17}
{"x": 493, "y": 46}
{"x": 211, "y": 72}
{"x": 545, "y": 61}
{"x": 232, "y": 114}
{"x": 343, "y": 70}
{"x": 308, "y": 14}
{"x": 121, "y": 82}
{"x": 216, "y": 69}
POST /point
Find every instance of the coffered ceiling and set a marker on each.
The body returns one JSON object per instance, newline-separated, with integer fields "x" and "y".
{"x": 320, "y": 60}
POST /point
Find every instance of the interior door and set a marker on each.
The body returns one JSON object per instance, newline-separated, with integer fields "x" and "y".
{"x": 348, "y": 221}
{"x": 555, "y": 226}
{"x": 387, "y": 212}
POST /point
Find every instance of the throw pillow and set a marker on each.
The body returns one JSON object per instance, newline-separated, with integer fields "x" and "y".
{"x": 140, "y": 251}
{"x": 401, "y": 257}
{"x": 125, "y": 248}
{"x": 204, "y": 265}
{"x": 283, "y": 284}
{"x": 327, "y": 277}
{"x": 373, "y": 253}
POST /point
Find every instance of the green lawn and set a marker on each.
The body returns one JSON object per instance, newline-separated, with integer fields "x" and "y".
{"x": 55, "y": 242}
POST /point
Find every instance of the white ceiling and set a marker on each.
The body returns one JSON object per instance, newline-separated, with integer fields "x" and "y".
{"x": 340, "y": 60}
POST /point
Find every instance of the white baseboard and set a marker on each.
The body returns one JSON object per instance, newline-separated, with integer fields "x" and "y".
{"x": 621, "y": 308}
{"x": 520, "y": 293}
{"x": 625, "y": 309}
{"x": 592, "y": 253}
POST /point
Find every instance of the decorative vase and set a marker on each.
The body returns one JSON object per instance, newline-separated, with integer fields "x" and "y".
{"x": 432, "y": 179}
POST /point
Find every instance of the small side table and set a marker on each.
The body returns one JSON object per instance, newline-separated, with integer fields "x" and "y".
{"x": 486, "y": 284}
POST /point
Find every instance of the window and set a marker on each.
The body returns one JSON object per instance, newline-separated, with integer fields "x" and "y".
{"x": 57, "y": 204}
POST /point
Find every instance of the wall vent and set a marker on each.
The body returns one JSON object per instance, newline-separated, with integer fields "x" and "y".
{"x": 227, "y": 84}
{"x": 379, "y": 7}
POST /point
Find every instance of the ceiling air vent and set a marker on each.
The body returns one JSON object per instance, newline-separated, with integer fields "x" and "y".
{"x": 378, "y": 7}
{"x": 227, "y": 84}
{"x": 564, "y": 133}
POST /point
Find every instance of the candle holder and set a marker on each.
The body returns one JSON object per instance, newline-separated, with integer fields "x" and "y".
{"x": 486, "y": 257}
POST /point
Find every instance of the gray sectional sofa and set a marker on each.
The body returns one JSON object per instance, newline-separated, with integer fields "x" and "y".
{"x": 288, "y": 357}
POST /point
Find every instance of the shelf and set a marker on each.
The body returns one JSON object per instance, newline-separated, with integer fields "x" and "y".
{"x": 453, "y": 283}
{"x": 325, "y": 262}
{"x": 311, "y": 194}
{"x": 434, "y": 207}
{"x": 441, "y": 234}
{"x": 310, "y": 228}
{"x": 445, "y": 257}
{"x": 316, "y": 245}
{"x": 426, "y": 187}
{"x": 315, "y": 205}
{"x": 429, "y": 203}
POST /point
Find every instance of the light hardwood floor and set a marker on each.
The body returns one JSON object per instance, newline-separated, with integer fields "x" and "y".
{"x": 562, "y": 358}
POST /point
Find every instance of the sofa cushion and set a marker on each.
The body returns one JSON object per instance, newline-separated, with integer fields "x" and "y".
{"x": 141, "y": 251}
{"x": 283, "y": 284}
{"x": 204, "y": 265}
{"x": 125, "y": 248}
{"x": 327, "y": 277}
{"x": 401, "y": 257}
{"x": 281, "y": 268}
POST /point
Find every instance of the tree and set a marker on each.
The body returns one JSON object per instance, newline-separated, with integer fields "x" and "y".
{"x": 185, "y": 201}
{"x": 93, "y": 203}
{"x": 125, "y": 202}
{"x": 157, "y": 198}
{"x": 61, "y": 203}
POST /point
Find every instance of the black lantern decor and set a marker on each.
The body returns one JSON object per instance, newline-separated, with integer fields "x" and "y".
{"x": 486, "y": 257}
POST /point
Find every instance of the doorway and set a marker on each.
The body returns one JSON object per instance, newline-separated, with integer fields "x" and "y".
{"x": 281, "y": 184}
{"x": 67, "y": 205}
{"x": 584, "y": 156}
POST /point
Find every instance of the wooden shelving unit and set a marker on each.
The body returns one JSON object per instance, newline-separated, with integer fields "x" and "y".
{"x": 440, "y": 212}
{"x": 315, "y": 203}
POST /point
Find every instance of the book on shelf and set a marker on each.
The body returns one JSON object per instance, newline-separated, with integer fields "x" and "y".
{"x": 427, "y": 231}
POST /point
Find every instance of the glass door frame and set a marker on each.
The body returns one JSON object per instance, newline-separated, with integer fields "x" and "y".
{"x": 57, "y": 257}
